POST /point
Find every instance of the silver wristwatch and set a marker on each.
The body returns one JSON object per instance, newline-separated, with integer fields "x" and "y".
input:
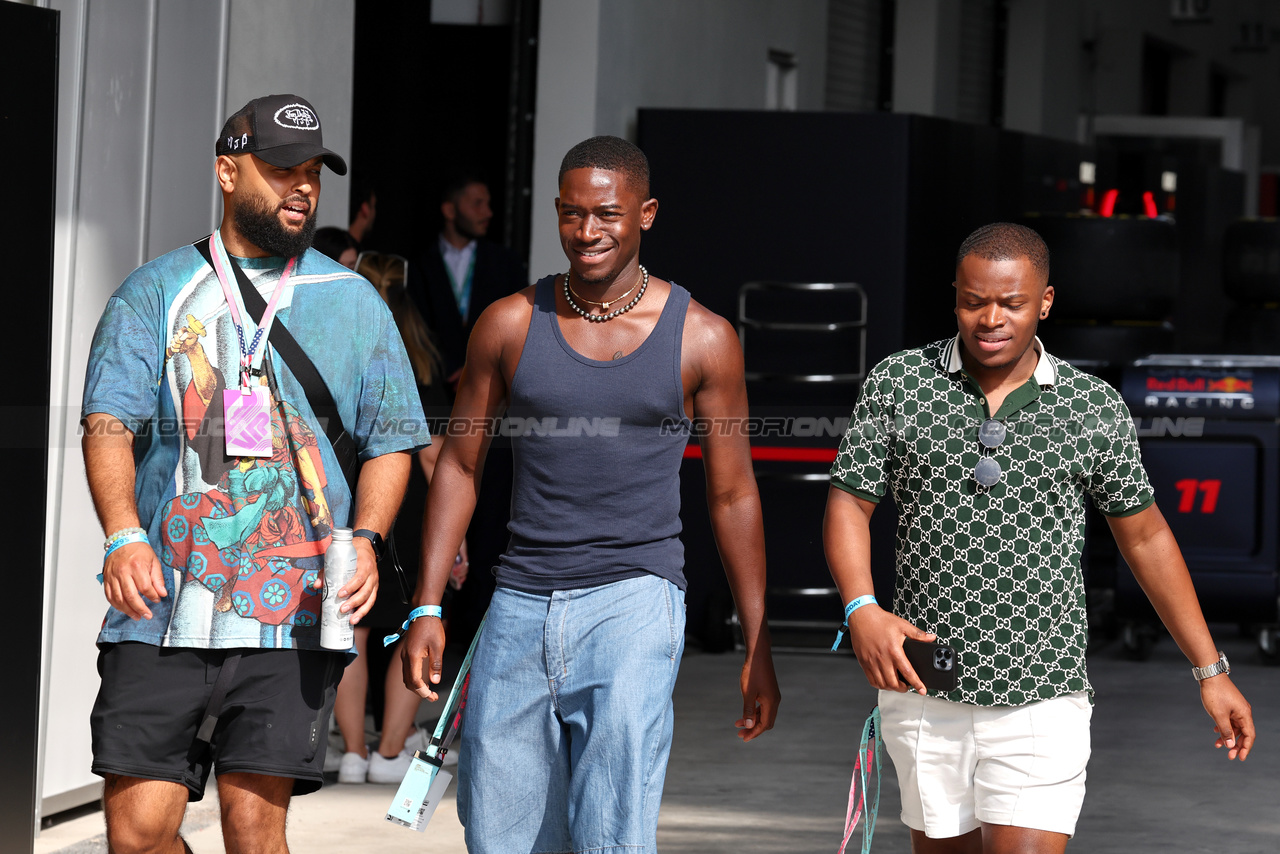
{"x": 1219, "y": 666}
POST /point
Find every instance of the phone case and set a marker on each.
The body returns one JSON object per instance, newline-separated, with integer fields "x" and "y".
{"x": 935, "y": 663}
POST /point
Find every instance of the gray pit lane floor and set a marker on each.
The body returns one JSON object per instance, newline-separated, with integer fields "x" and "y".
{"x": 1155, "y": 781}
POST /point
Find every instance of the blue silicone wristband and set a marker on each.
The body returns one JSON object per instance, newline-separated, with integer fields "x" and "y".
{"x": 849, "y": 609}
{"x": 420, "y": 611}
{"x": 125, "y": 540}
{"x": 119, "y": 541}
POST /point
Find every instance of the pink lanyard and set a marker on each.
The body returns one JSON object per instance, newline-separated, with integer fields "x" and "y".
{"x": 868, "y": 758}
{"x": 220, "y": 264}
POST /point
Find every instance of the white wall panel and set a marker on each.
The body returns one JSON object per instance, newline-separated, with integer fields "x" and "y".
{"x": 104, "y": 134}
{"x": 68, "y": 654}
{"x": 1043, "y": 89}
{"x": 599, "y": 61}
{"x": 568, "y": 47}
{"x": 188, "y": 115}
{"x": 709, "y": 54}
{"x": 926, "y": 57}
{"x": 303, "y": 47}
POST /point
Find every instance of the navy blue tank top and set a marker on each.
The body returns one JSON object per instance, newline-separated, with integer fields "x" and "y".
{"x": 597, "y": 449}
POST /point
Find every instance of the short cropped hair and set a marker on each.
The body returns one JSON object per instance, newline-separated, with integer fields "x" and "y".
{"x": 457, "y": 182}
{"x": 361, "y": 192}
{"x": 613, "y": 154}
{"x": 333, "y": 241}
{"x": 1006, "y": 241}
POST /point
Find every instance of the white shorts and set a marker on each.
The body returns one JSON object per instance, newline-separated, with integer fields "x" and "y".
{"x": 961, "y": 766}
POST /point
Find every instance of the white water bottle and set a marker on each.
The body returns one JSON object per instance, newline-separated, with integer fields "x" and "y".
{"x": 339, "y": 568}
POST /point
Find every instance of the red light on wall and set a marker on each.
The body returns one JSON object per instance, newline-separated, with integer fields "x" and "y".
{"x": 1149, "y": 204}
{"x": 1109, "y": 202}
{"x": 693, "y": 451}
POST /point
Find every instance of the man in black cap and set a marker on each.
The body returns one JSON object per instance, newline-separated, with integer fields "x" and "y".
{"x": 219, "y": 515}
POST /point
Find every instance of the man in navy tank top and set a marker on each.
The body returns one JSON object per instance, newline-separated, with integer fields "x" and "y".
{"x": 569, "y": 715}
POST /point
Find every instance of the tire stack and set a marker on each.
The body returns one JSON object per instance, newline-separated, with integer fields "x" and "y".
{"x": 804, "y": 347}
{"x": 1251, "y": 278}
{"x": 1115, "y": 281}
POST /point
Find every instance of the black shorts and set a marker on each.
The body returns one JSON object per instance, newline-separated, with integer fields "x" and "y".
{"x": 273, "y": 721}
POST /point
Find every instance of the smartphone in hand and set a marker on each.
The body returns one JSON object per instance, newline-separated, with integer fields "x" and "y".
{"x": 935, "y": 663}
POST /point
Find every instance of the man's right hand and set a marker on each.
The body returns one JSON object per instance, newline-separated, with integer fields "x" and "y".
{"x": 877, "y": 637}
{"x": 423, "y": 644}
{"x": 130, "y": 577}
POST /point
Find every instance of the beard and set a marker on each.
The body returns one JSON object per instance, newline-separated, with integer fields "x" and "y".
{"x": 259, "y": 223}
{"x": 469, "y": 228}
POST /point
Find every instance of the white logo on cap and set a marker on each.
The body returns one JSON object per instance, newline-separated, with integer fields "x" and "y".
{"x": 297, "y": 117}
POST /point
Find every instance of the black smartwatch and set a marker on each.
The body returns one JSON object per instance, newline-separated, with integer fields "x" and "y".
{"x": 379, "y": 547}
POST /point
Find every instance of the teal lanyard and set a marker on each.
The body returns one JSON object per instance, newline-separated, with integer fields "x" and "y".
{"x": 451, "y": 718}
{"x": 462, "y": 291}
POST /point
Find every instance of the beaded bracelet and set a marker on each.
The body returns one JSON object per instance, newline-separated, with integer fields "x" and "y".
{"x": 420, "y": 611}
{"x": 120, "y": 535}
{"x": 849, "y": 609}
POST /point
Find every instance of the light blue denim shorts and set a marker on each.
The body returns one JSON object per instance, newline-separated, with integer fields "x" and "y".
{"x": 568, "y": 722}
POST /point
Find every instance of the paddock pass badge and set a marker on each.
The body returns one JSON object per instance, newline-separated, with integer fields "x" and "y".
{"x": 419, "y": 794}
{"x": 247, "y": 413}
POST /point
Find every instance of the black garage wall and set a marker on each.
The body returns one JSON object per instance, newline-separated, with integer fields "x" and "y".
{"x": 878, "y": 199}
{"x": 28, "y": 138}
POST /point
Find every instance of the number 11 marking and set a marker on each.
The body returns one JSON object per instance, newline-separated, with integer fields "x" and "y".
{"x": 1190, "y": 487}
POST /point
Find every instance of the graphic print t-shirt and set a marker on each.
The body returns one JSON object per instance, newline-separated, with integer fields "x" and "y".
{"x": 241, "y": 540}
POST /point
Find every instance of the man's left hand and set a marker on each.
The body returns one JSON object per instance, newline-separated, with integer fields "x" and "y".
{"x": 359, "y": 594}
{"x": 760, "y": 695}
{"x": 1231, "y": 713}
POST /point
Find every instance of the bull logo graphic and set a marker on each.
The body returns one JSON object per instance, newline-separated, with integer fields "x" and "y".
{"x": 1231, "y": 385}
{"x": 297, "y": 117}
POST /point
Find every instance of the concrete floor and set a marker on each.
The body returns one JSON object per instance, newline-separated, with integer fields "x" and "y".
{"x": 1155, "y": 782}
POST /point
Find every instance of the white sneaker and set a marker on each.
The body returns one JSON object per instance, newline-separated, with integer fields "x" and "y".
{"x": 384, "y": 770}
{"x": 418, "y": 740}
{"x": 353, "y": 768}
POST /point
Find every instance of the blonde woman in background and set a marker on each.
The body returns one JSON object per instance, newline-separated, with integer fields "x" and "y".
{"x": 399, "y": 738}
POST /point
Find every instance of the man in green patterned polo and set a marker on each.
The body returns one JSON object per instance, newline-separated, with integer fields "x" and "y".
{"x": 989, "y": 446}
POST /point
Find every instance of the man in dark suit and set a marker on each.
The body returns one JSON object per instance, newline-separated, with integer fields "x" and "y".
{"x": 453, "y": 281}
{"x": 460, "y": 273}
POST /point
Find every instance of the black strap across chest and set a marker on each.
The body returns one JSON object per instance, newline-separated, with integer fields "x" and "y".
{"x": 304, "y": 370}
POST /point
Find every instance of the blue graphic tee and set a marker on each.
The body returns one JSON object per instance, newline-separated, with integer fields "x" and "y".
{"x": 241, "y": 539}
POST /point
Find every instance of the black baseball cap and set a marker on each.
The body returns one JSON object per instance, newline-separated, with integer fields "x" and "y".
{"x": 282, "y": 130}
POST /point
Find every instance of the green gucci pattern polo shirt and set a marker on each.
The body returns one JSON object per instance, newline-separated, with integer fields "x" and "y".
{"x": 994, "y": 571}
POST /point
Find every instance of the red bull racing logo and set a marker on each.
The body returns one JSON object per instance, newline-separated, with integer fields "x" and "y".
{"x": 1199, "y": 392}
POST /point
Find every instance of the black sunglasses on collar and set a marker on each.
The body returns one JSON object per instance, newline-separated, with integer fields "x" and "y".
{"x": 991, "y": 435}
